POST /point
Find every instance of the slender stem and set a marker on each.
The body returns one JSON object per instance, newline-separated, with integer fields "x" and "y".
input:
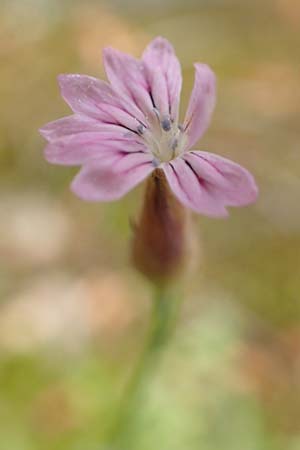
{"x": 164, "y": 312}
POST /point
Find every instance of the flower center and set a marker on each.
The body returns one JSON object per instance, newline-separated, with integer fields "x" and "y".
{"x": 165, "y": 139}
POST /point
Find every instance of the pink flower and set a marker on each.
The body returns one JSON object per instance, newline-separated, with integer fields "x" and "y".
{"x": 123, "y": 130}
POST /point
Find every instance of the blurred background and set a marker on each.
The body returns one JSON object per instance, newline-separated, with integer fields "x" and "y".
{"x": 73, "y": 313}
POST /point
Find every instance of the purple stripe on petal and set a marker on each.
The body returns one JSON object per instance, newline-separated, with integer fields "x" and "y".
{"x": 127, "y": 76}
{"x": 159, "y": 57}
{"x": 159, "y": 91}
{"x": 233, "y": 182}
{"x": 97, "y": 99}
{"x": 70, "y": 125}
{"x": 192, "y": 190}
{"x": 77, "y": 124}
{"x": 78, "y": 149}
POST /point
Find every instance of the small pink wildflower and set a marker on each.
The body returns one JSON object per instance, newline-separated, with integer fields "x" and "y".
{"x": 123, "y": 130}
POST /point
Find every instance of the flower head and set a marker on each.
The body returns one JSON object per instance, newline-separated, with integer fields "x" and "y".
{"x": 122, "y": 130}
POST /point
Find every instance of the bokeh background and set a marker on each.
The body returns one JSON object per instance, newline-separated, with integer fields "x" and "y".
{"x": 73, "y": 313}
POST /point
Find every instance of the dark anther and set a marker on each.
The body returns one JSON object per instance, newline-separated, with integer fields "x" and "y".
{"x": 174, "y": 144}
{"x": 166, "y": 124}
{"x": 140, "y": 129}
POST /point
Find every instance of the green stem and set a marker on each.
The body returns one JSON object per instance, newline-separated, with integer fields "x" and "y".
{"x": 164, "y": 313}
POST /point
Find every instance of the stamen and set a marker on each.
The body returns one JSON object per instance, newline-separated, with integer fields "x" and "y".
{"x": 157, "y": 116}
{"x": 140, "y": 129}
{"x": 165, "y": 138}
{"x": 166, "y": 124}
{"x": 155, "y": 162}
{"x": 156, "y": 112}
{"x": 174, "y": 144}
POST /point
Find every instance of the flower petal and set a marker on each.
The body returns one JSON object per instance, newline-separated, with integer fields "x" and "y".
{"x": 192, "y": 190}
{"x": 70, "y": 125}
{"x": 164, "y": 72}
{"x": 201, "y": 105}
{"x": 100, "y": 181}
{"x": 128, "y": 78}
{"x": 96, "y": 99}
{"x": 77, "y": 149}
{"x": 231, "y": 181}
{"x": 208, "y": 183}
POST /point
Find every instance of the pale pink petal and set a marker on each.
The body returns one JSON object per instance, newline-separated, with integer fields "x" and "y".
{"x": 69, "y": 125}
{"x": 208, "y": 183}
{"x": 74, "y": 125}
{"x": 128, "y": 78}
{"x": 98, "y": 181}
{"x": 233, "y": 183}
{"x": 192, "y": 190}
{"x": 201, "y": 105}
{"x": 96, "y": 99}
{"x": 77, "y": 149}
{"x": 164, "y": 73}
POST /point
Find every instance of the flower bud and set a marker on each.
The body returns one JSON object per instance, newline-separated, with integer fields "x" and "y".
{"x": 160, "y": 244}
